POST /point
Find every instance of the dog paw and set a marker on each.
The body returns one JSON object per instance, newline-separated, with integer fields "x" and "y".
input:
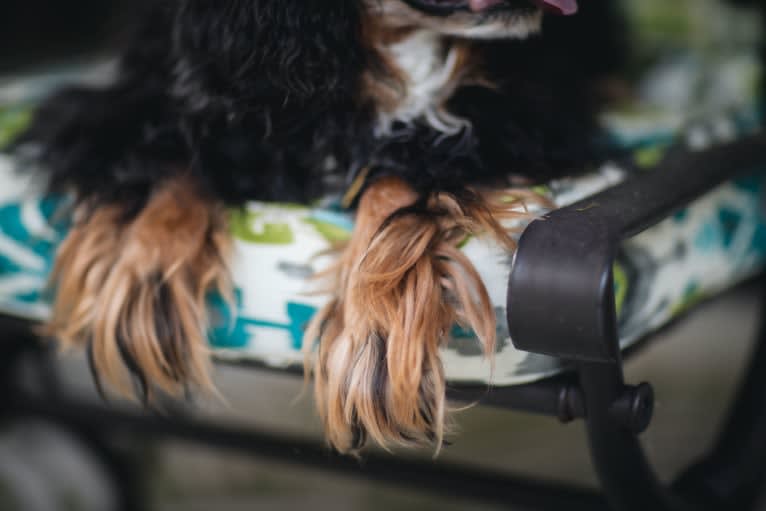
{"x": 402, "y": 284}
{"x": 133, "y": 290}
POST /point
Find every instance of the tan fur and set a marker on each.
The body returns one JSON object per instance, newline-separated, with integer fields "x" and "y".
{"x": 402, "y": 283}
{"x": 385, "y": 85}
{"x": 143, "y": 284}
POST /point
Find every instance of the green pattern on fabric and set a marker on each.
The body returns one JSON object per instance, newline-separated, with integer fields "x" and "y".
{"x": 13, "y": 120}
{"x": 692, "y": 296}
{"x": 650, "y": 157}
{"x": 242, "y": 227}
{"x": 621, "y": 286}
{"x": 328, "y": 231}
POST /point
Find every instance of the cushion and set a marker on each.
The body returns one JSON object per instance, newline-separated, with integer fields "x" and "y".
{"x": 686, "y": 97}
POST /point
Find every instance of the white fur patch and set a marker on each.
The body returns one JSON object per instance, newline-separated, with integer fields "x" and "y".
{"x": 428, "y": 72}
{"x": 522, "y": 28}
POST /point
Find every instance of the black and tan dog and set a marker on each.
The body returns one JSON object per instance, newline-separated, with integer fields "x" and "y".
{"x": 430, "y": 107}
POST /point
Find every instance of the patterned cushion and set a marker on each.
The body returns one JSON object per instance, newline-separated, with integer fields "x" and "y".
{"x": 711, "y": 245}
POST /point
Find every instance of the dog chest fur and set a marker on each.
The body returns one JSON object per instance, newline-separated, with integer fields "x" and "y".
{"x": 429, "y": 67}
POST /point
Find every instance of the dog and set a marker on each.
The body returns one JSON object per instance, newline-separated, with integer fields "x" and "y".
{"x": 427, "y": 114}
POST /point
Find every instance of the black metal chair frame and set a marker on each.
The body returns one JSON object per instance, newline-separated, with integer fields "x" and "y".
{"x": 562, "y": 269}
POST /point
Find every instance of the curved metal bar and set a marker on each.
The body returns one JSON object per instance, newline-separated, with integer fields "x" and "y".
{"x": 561, "y": 303}
{"x": 560, "y": 295}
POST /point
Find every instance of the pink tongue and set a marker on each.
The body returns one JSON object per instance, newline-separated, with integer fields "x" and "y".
{"x": 480, "y": 5}
{"x": 565, "y": 7}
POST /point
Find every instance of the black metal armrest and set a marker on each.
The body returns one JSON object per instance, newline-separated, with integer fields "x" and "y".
{"x": 560, "y": 293}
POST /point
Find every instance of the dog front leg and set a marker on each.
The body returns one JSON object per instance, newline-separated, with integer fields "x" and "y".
{"x": 402, "y": 283}
{"x": 133, "y": 291}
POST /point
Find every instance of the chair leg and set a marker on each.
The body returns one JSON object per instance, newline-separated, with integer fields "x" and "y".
{"x": 731, "y": 476}
{"x": 734, "y": 472}
{"x": 627, "y": 479}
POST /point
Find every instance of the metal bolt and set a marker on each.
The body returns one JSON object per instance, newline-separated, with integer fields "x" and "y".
{"x": 635, "y": 408}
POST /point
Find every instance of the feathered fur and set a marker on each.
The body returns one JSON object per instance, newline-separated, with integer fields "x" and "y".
{"x": 378, "y": 372}
{"x": 136, "y": 292}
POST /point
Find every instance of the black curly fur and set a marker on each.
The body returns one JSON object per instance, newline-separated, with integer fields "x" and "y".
{"x": 253, "y": 96}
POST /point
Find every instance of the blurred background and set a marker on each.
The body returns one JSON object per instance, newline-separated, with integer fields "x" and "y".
{"x": 694, "y": 366}
{"x": 35, "y": 33}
